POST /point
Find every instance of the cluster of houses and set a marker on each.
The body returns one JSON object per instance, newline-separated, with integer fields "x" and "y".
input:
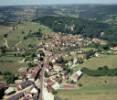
{"x": 31, "y": 83}
{"x": 28, "y": 86}
{"x": 49, "y": 73}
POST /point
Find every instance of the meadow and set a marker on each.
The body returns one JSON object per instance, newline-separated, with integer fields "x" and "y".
{"x": 9, "y": 62}
{"x": 93, "y": 88}
{"x": 103, "y": 60}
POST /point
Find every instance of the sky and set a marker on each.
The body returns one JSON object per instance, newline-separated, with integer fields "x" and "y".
{"x": 29, "y": 2}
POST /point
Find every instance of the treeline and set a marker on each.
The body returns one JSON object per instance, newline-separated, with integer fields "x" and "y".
{"x": 101, "y": 71}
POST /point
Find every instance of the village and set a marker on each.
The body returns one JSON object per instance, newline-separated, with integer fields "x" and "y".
{"x": 58, "y": 50}
{"x": 55, "y": 67}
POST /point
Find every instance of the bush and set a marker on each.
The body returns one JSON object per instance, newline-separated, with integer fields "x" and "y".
{"x": 5, "y": 35}
{"x": 30, "y": 65}
{"x": 46, "y": 74}
{"x": 25, "y": 37}
{"x": 80, "y": 85}
{"x": 54, "y": 92}
{"x": 9, "y": 77}
{"x": 3, "y": 50}
{"x": 23, "y": 32}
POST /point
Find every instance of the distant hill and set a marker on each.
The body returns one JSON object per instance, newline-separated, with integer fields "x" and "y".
{"x": 91, "y": 12}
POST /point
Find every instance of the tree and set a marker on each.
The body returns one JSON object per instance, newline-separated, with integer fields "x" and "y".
{"x": 39, "y": 32}
{"x": 31, "y": 64}
{"x": 3, "y": 50}
{"x": 5, "y": 35}
{"x": 106, "y": 47}
{"x": 9, "y": 77}
{"x": 23, "y": 32}
{"x": 105, "y": 67}
{"x": 25, "y": 37}
{"x": 69, "y": 70}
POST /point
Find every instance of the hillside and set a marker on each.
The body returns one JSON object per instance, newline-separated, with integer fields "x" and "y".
{"x": 17, "y": 39}
{"x": 80, "y": 26}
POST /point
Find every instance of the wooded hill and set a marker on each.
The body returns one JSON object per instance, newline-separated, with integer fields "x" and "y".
{"x": 85, "y": 27}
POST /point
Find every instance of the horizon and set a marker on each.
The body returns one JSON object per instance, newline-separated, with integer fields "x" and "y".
{"x": 54, "y": 2}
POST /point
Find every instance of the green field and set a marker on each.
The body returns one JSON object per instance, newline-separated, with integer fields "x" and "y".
{"x": 10, "y": 62}
{"x": 93, "y": 88}
{"x": 16, "y": 35}
{"x": 103, "y": 60}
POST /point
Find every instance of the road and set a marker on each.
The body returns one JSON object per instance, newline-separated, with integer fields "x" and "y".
{"x": 42, "y": 77}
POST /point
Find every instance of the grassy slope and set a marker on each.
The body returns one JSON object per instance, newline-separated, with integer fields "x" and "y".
{"x": 93, "y": 89}
{"x": 13, "y": 38}
{"x": 17, "y": 35}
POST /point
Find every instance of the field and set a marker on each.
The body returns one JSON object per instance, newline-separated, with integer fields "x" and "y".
{"x": 10, "y": 62}
{"x": 16, "y": 35}
{"x": 103, "y": 60}
{"x": 93, "y": 88}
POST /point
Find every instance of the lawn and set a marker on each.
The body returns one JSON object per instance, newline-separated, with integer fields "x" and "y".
{"x": 93, "y": 88}
{"x": 103, "y": 60}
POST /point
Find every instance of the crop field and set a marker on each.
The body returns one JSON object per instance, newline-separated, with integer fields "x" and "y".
{"x": 93, "y": 88}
